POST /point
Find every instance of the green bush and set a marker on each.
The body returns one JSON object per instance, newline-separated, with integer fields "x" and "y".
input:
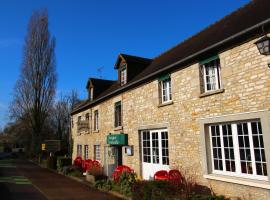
{"x": 104, "y": 184}
{"x": 125, "y": 183}
{"x": 157, "y": 190}
{"x": 62, "y": 162}
{"x": 51, "y": 162}
{"x": 76, "y": 173}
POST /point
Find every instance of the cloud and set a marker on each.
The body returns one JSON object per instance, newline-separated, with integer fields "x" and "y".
{"x": 9, "y": 42}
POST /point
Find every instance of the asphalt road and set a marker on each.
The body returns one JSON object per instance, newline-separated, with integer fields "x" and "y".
{"x": 23, "y": 180}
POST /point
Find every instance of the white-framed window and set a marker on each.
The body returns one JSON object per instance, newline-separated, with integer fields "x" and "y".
{"x": 123, "y": 76}
{"x": 237, "y": 149}
{"x": 155, "y": 147}
{"x": 79, "y": 150}
{"x": 97, "y": 152}
{"x": 96, "y": 120}
{"x": 165, "y": 90}
{"x": 86, "y": 155}
{"x": 210, "y": 72}
{"x": 117, "y": 114}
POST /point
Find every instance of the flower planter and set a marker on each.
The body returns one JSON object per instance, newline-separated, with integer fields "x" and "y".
{"x": 90, "y": 178}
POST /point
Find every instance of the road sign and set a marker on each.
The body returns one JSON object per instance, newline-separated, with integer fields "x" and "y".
{"x": 52, "y": 146}
{"x": 43, "y": 147}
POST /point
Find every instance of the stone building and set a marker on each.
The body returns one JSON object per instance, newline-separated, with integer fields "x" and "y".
{"x": 202, "y": 106}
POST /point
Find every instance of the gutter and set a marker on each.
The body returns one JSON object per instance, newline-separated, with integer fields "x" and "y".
{"x": 176, "y": 63}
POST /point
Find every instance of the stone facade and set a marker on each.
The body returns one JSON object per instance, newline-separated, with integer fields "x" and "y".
{"x": 245, "y": 87}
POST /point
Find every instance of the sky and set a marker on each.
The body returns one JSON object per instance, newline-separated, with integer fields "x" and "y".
{"x": 91, "y": 33}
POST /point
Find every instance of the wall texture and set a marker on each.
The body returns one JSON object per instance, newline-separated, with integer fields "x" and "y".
{"x": 246, "y": 82}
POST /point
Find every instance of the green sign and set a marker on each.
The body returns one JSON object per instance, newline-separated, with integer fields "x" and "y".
{"x": 117, "y": 139}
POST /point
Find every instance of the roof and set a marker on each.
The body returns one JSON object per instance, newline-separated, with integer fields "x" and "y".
{"x": 100, "y": 85}
{"x": 238, "y": 26}
{"x": 133, "y": 59}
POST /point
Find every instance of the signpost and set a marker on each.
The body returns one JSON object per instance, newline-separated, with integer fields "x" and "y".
{"x": 51, "y": 146}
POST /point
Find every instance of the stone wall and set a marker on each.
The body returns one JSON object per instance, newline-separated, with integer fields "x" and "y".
{"x": 246, "y": 82}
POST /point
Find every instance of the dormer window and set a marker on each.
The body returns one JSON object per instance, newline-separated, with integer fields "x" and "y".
{"x": 123, "y": 75}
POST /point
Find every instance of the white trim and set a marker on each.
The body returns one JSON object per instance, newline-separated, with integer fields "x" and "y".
{"x": 241, "y": 181}
{"x": 238, "y": 172}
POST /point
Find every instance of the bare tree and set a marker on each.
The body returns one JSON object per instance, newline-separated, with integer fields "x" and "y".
{"x": 35, "y": 89}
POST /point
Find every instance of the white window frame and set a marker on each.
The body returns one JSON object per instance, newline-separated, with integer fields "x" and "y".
{"x": 86, "y": 152}
{"x": 96, "y": 120}
{"x": 238, "y": 172}
{"x": 123, "y": 76}
{"x": 217, "y": 84}
{"x": 97, "y": 152}
{"x": 79, "y": 150}
{"x": 166, "y": 90}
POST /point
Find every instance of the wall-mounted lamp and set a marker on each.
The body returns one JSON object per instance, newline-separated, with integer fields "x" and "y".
{"x": 263, "y": 45}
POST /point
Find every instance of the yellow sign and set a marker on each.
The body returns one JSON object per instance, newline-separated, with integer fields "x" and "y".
{"x": 43, "y": 146}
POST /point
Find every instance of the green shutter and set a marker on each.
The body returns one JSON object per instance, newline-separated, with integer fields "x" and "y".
{"x": 164, "y": 77}
{"x": 209, "y": 60}
{"x": 118, "y": 103}
{"x": 123, "y": 67}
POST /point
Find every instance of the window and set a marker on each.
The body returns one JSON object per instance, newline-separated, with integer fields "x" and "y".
{"x": 123, "y": 75}
{"x": 86, "y": 152}
{"x": 97, "y": 152}
{"x": 87, "y": 117}
{"x": 165, "y": 90}
{"x": 79, "y": 150}
{"x": 210, "y": 72}
{"x": 238, "y": 149}
{"x": 90, "y": 93}
{"x": 117, "y": 114}
{"x": 96, "y": 120}
{"x": 155, "y": 147}
{"x": 79, "y": 118}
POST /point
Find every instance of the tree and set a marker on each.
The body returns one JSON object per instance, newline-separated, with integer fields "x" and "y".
{"x": 35, "y": 89}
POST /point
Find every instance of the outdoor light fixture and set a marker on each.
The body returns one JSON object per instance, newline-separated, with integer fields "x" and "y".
{"x": 263, "y": 45}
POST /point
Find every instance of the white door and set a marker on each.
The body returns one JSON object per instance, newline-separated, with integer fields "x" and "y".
{"x": 155, "y": 152}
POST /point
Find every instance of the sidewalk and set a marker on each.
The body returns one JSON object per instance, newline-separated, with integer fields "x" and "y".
{"x": 58, "y": 187}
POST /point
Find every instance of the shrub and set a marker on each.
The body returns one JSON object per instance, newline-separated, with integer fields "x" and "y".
{"x": 104, "y": 184}
{"x": 125, "y": 182}
{"x": 62, "y": 162}
{"x": 95, "y": 170}
{"x": 51, "y": 162}
{"x": 72, "y": 171}
{"x": 144, "y": 190}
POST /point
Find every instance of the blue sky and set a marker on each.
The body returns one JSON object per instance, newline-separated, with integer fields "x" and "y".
{"x": 91, "y": 33}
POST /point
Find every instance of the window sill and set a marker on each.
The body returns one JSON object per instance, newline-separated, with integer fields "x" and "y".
{"x": 240, "y": 181}
{"x": 95, "y": 131}
{"x": 212, "y": 92}
{"x": 118, "y": 128}
{"x": 165, "y": 103}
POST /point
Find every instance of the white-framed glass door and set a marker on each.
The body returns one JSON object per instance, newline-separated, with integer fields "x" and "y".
{"x": 155, "y": 152}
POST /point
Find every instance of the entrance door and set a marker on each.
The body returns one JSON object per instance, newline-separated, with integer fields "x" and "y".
{"x": 112, "y": 158}
{"x": 155, "y": 152}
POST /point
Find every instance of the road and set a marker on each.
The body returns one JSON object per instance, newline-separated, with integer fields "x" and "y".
{"x": 23, "y": 180}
